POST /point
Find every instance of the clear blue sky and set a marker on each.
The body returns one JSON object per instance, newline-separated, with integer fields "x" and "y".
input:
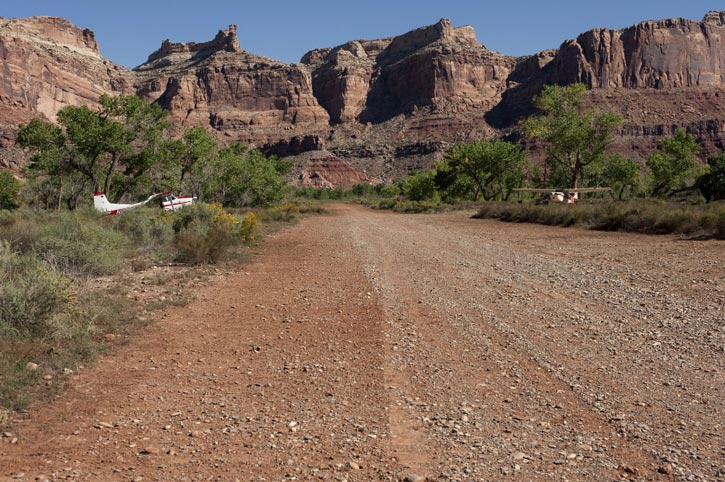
{"x": 128, "y": 30}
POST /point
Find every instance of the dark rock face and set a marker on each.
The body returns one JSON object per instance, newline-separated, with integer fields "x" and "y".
{"x": 294, "y": 146}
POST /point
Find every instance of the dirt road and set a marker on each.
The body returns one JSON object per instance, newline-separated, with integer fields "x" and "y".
{"x": 367, "y": 346}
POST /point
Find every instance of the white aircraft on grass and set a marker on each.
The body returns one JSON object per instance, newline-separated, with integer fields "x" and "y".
{"x": 169, "y": 203}
{"x": 566, "y": 196}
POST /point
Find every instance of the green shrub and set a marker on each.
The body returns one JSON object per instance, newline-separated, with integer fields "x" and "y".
{"x": 204, "y": 233}
{"x": 9, "y": 190}
{"x": 35, "y": 301}
{"x": 81, "y": 244}
{"x": 387, "y": 190}
{"x": 421, "y": 186}
{"x": 364, "y": 189}
{"x": 641, "y": 216}
{"x": 249, "y": 228}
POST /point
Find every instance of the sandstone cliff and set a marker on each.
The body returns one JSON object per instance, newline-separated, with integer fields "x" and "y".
{"x": 248, "y": 98}
{"x": 440, "y": 66}
{"x": 373, "y": 109}
{"x": 46, "y": 64}
{"x": 659, "y": 75}
{"x": 654, "y": 55}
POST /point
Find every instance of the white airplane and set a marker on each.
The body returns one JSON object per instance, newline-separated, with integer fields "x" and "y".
{"x": 169, "y": 202}
{"x": 173, "y": 203}
{"x": 103, "y": 205}
{"x": 566, "y": 196}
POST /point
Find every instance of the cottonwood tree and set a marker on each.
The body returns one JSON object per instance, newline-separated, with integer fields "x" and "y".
{"x": 573, "y": 138}
{"x": 241, "y": 177}
{"x": 113, "y": 149}
{"x": 674, "y": 165}
{"x": 197, "y": 150}
{"x": 485, "y": 168}
{"x": 622, "y": 173}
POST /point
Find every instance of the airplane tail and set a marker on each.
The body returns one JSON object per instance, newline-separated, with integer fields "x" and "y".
{"x": 100, "y": 202}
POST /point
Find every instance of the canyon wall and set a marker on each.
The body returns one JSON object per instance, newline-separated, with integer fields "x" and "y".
{"x": 379, "y": 107}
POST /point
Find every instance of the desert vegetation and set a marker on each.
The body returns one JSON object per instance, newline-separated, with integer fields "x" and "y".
{"x": 64, "y": 278}
{"x": 53, "y": 315}
{"x": 673, "y": 192}
{"x": 124, "y": 150}
{"x": 64, "y": 267}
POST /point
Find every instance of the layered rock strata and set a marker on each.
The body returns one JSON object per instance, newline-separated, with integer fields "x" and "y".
{"x": 246, "y": 97}
{"x": 382, "y": 106}
{"x": 440, "y": 66}
{"x": 47, "y": 63}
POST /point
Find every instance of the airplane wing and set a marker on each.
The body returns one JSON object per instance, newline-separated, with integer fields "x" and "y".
{"x": 589, "y": 189}
{"x": 526, "y": 189}
{"x": 583, "y": 189}
{"x": 123, "y": 207}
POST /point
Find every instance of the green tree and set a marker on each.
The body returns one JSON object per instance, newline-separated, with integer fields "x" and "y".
{"x": 621, "y": 173}
{"x": 51, "y": 178}
{"x": 9, "y": 190}
{"x": 134, "y": 141}
{"x": 572, "y": 139}
{"x": 243, "y": 177}
{"x": 114, "y": 149}
{"x": 420, "y": 186}
{"x": 674, "y": 165}
{"x": 486, "y": 168}
{"x": 197, "y": 151}
{"x": 712, "y": 184}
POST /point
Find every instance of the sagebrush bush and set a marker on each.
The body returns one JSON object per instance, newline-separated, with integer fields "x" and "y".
{"x": 287, "y": 212}
{"x": 310, "y": 207}
{"x": 639, "y": 216}
{"x": 20, "y": 228}
{"x": 81, "y": 244}
{"x": 713, "y": 219}
{"x": 416, "y": 206}
{"x": 35, "y": 300}
{"x": 42, "y": 320}
{"x": 150, "y": 232}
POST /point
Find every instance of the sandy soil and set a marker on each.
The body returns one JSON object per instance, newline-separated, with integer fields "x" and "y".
{"x": 365, "y": 346}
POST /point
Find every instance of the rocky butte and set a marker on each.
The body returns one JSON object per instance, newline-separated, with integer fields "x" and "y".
{"x": 370, "y": 110}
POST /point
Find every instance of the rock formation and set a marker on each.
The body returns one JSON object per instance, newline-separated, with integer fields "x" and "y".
{"x": 374, "y": 109}
{"x": 46, "y": 64}
{"x": 246, "y": 97}
{"x": 659, "y": 75}
{"x": 441, "y": 66}
{"x": 322, "y": 169}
